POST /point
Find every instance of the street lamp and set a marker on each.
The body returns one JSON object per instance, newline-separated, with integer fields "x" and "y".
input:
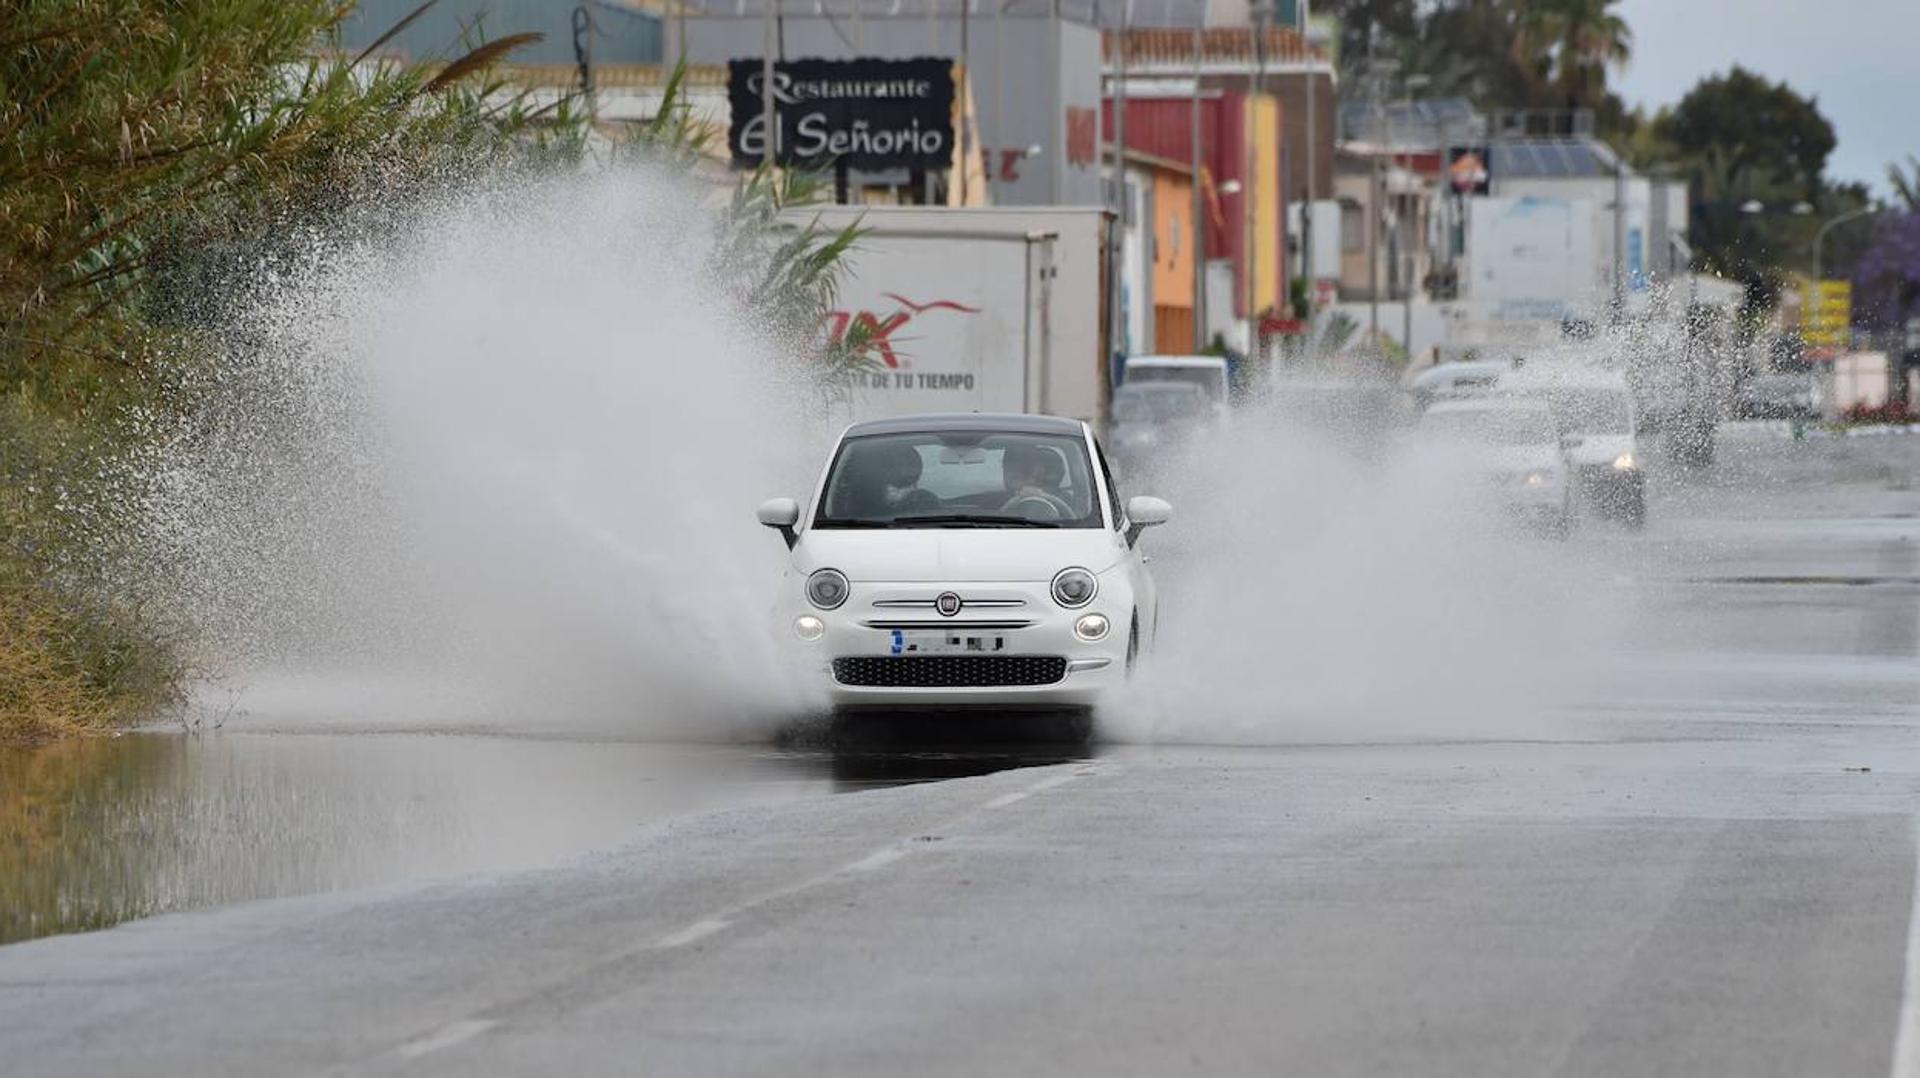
{"x": 1820, "y": 237}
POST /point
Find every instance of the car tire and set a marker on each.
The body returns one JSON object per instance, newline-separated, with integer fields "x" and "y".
{"x": 1633, "y": 509}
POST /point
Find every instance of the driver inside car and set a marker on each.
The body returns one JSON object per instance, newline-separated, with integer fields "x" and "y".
{"x": 1029, "y": 473}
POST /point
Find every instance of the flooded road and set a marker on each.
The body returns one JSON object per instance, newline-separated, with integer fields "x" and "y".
{"x": 1708, "y": 854}
{"x": 99, "y": 831}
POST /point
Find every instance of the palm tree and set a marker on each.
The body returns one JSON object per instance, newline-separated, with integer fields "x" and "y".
{"x": 1568, "y": 46}
{"x": 1906, "y": 186}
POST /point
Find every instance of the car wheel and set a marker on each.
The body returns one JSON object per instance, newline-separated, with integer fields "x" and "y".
{"x": 1633, "y": 512}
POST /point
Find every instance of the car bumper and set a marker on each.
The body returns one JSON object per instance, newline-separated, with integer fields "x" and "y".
{"x": 867, "y": 640}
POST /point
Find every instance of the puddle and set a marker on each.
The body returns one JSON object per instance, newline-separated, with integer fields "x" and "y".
{"x": 98, "y": 831}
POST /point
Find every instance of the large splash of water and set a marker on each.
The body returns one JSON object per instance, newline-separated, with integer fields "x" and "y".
{"x": 1327, "y": 578}
{"x": 500, "y": 467}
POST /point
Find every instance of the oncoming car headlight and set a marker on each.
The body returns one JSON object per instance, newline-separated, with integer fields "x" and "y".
{"x": 1073, "y": 588}
{"x": 1624, "y": 462}
{"x": 827, "y": 588}
{"x": 1535, "y": 479}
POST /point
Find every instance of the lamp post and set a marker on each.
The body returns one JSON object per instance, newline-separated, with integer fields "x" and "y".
{"x": 1820, "y": 237}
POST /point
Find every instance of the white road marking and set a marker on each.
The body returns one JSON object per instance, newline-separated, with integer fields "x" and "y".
{"x": 445, "y": 1037}
{"x": 693, "y": 933}
{"x": 1906, "y": 1042}
{"x": 1044, "y": 784}
{"x": 876, "y": 859}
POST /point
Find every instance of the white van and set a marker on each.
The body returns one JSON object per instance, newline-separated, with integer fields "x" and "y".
{"x": 1207, "y": 372}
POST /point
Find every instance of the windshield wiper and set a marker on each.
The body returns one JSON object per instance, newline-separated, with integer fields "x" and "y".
{"x": 973, "y": 520}
{"x": 851, "y": 522}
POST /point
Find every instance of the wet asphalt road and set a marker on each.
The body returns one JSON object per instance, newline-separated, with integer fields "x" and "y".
{"x": 1708, "y": 869}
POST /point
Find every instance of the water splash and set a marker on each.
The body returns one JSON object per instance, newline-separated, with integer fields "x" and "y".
{"x": 508, "y": 457}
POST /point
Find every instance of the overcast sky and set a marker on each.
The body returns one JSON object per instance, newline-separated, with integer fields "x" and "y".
{"x": 1859, "y": 58}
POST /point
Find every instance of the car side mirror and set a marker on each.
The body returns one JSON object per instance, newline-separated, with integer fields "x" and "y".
{"x": 781, "y": 514}
{"x": 1144, "y": 512}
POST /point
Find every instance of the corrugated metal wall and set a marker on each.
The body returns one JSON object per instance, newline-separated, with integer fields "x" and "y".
{"x": 621, "y": 35}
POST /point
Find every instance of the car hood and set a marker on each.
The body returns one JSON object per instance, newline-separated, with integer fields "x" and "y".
{"x": 934, "y": 554}
{"x": 1601, "y": 448}
{"x": 1513, "y": 458}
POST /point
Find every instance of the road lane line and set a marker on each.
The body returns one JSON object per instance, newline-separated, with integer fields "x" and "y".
{"x": 445, "y": 1037}
{"x": 1906, "y": 1042}
{"x": 723, "y": 919}
{"x": 876, "y": 859}
{"x": 1044, "y": 784}
{"x": 693, "y": 933}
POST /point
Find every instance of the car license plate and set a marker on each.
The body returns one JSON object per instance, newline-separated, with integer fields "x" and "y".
{"x": 946, "y": 642}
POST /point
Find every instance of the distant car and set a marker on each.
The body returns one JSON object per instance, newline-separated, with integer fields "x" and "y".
{"x": 1150, "y": 418}
{"x": 1209, "y": 373}
{"x": 965, "y": 561}
{"x": 1514, "y": 444}
{"x": 1595, "y": 415}
{"x": 1783, "y": 395}
{"x": 1461, "y": 378}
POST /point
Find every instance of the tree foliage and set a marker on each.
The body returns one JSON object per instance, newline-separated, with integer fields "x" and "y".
{"x": 1759, "y": 131}
{"x": 158, "y": 152}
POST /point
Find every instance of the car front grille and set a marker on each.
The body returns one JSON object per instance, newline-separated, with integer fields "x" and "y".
{"x": 948, "y": 671}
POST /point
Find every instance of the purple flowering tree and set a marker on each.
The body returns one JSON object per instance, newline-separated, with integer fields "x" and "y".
{"x": 1886, "y": 280}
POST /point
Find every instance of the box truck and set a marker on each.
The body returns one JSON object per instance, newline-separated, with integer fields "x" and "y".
{"x": 990, "y": 309}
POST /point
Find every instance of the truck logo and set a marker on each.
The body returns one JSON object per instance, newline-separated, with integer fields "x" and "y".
{"x": 880, "y": 330}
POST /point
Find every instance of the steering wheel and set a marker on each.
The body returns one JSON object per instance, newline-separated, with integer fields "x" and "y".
{"x": 1052, "y": 507}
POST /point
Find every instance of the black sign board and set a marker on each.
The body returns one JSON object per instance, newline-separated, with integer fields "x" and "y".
{"x": 868, "y": 114}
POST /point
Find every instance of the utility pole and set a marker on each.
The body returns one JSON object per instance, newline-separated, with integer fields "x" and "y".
{"x": 1199, "y": 207}
{"x": 1619, "y": 239}
{"x": 1249, "y": 198}
{"x": 1056, "y": 142}
{"x": 1376, "y": 194}
{"x": 1306, "y": 212}
{"x": 769, "y": 125}
{"x": 1116, "y": 275}
{"x": 966, "y": 102}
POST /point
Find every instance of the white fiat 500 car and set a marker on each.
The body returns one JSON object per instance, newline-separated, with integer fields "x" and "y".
{"x": 967, "y": 560}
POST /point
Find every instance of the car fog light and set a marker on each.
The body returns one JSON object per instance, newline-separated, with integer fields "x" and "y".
{"x": 1535, "y": 479}
{"x": 808, "y": 627}
{"x": 1091, "y": 627}
{"x": 1624, "y": 462}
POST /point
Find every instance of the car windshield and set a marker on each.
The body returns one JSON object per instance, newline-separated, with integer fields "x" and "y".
{"x": 960, "y": 479}
{"x": 1155, "y": 404}
{"x": 1490, "y": 426}
{"x": 1593, "y": 411}
{"x": 1207, "y": 377}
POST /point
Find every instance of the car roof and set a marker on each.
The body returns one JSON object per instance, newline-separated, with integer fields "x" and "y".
{"x": 1466, "y": 368}
{"x": 1492, "y": 402}
{"x": 993, "y": 422}
{"x": 1184, "y": 388}
{"x": 1175, "y": 361}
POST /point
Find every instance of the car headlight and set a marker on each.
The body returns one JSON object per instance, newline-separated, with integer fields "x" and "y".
{"x": 1091, "y": 627}
{"x": 1624, "y": 462}
{"x": 1074, "y": 587}
{"x": 827, "y": 588}
{"x": 1534, "y": 479}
